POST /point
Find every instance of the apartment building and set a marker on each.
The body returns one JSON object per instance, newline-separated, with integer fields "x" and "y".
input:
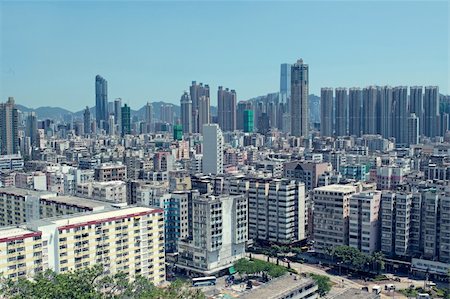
{"x": 129, "y": 239}
{"x": 218, "y": 236}
{"x": 276, "y": 210}
{"x": 110, "y": 172}
{"x": 331, "y": 216}
{"x": 364, "y": 232}
{"x": 110, "y": 191}
{"x": 307, "y": 172}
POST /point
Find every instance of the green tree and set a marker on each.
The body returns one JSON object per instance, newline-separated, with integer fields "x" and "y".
{"x": 323, "y": 283}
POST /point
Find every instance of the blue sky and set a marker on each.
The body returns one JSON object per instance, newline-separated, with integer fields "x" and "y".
{"x": 51, "y": 51}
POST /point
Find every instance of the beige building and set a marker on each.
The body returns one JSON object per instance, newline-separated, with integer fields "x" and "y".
{"x": 110, "y": 172}
{"x": 331, "y": 216}
{"x": 129, "y": 239}
{"x": 111, "y": 191}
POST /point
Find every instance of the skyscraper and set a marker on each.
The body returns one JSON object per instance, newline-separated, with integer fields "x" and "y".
{"x": 285, "y": 82}
{"x": 326, "y": 111}
{"x": 186, "y": 113}
{"x": 386, "y": 111}
{"x": 299, "y": 99}
{"x": 212, "y": 149}
{"x": 431, "y": 111}
{"x": 416, "y": 104}
{"x": 413, "y": 129}
{"x": 101, "y": 102}
{"x": 341, "y": 112}
{"x": 400, "y": 115}
{"x": 369, "y": 115}
{"x": 126, "y": 120}
{"x": 87, "y": 120}
{"x": 226, "y": 109}
{"x": 31, "y": 128}
{"x": 148, "y": 117}
{"x": 354, "y": 105}
{"x": 118, "y": 114}
{"x": 166, "y": 111}
{"x": 111, "y": 125}
{"x": 248, "y": 121}
{"x": 200, "y": 105}
{"x": 9, "y": 138}
{"x": 241, "y": 107}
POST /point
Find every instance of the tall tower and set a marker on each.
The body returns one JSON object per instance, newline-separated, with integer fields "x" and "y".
{"x": 126, "y": 120}
{"x": 31, "y": 129}
{"x": 87, "y": 120}
{"x": 226, "y": 109}
{"x": 416, "y": 104}
{"x": 326, "y": 111}
{"x": 354, "y": 105}
{"x": 400, "y": 115}
{"x": 431, "y": 111}
{"x": 413, "y": 129}
{"x": 148, "y": 117}
{"x": 101, "y": 102}
{"x": 212, "y": 149}
{"x": 200, "y": 105}
{"x": 370, "y": 97}
{"x": 386, "y": 111}
{"x": 285, "y": 82}
{"x": 186, "y": 113}
{"x": 341, "y": 115}
{"x": 118, "y": 114}
{"x": 9, "y": 138}
{"x": 241, "y": 107}
{"x": 299, "y": 99}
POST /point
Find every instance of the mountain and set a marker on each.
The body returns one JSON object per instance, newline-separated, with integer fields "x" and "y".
{"x": 46, "y": 112}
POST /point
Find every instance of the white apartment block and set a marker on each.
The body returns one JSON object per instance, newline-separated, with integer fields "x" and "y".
{"x": 212, "y": 149}
{"x": 219, "y": 234}
{"x": 331, "y": 216}
{"x": 364, "y": 229}
{"x": 129, "y": 239}
{"x": 112, "y": 191}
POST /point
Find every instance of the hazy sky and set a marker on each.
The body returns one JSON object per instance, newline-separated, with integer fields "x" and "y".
{"x": 50, "y": 51}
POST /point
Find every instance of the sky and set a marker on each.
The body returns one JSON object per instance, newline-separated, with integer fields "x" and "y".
{"x": 50, "y": 52}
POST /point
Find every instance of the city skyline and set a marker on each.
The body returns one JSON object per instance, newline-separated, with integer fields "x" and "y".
{"x": 59, "y": 42}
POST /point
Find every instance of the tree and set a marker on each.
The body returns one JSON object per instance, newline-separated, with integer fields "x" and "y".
{"x": 323, "y": 283}
{"x": 93, "y": 283}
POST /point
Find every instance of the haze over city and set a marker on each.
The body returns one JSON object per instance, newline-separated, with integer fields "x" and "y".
{"x": 151, "y": 51}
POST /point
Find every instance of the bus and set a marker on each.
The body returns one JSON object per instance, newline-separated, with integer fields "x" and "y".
{"x": 204, "y": 281}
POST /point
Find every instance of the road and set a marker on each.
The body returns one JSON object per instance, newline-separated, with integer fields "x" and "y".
{"x": 342, "y": 283}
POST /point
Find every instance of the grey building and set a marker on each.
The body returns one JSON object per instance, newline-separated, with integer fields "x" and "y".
{"x": 431, "y": 111}
{"x": 226, "y": 109}
{"x": 413, "y": 129}
{"x": 355, "y": 111}
{"x": 369, "y": 112}
{"x": 31, "y": 128}
{"x": 118, "y": 114}
{"x": 285, "y": 81}
{"x": 386, "y": 108}
{"x": 416, "y": 104}
{"x": 9, "y": 138}
{"x": 186, "y": 113}
{"x": 341, "y": 113}
{"x": 299, "y": 99}
{"x": 200, "y": 106}
{"x": 101, "y": 102}
{"x": 326, "y": 111}
{"x": 87, "y": 120}
{"x": 400, "y": 115}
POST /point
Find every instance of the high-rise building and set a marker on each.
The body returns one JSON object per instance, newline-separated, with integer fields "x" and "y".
{"x": 186, "y": 113}
{"x": 177, "y": 132}
{"x": 241, "y": 107}
{"x": 118, "y": 114}
{"x": 9, "y": 138}
{"x": 355, "y": 111}
{"x": 413, "y": 129}
{"x": 126, "y": 120}
{"x": 101, "y": 102}
{"x": 87, "y": 120}
{"x": 166, "y": 111}
{"x": 369, "y": 113}
{"x": 299, "y": 99}
{"x": 341, "y": 112}
{"x": 401, "y": 114}
{"x": 248, "y": 121}
{"x": 111, "y": 125}
{"x": 416, "y": 104}
{"x": 285, "y": 82}
{"x": 431, "y": 111}
{"x": 331, "y": 216}
{"x": 31, "y": 129}
{"x": 386, "y": 108}
{"x": 364, "y": 231}
{"x": 212, "y": 149}
{"x": 148, "y": 117}
{"x": 226, "y": 109}
{"x": 326, "y": 111}
{"x": 200, "y": 106}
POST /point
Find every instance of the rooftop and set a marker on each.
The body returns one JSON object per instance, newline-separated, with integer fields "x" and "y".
{"x": 25, "y": 192}
{"x": 337, "y": 188}
{"x": 356, "y": 294}
{"x": 277, "y": 287}
{"x": 75, "y": 201}
{"x": 9, "y": 232}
